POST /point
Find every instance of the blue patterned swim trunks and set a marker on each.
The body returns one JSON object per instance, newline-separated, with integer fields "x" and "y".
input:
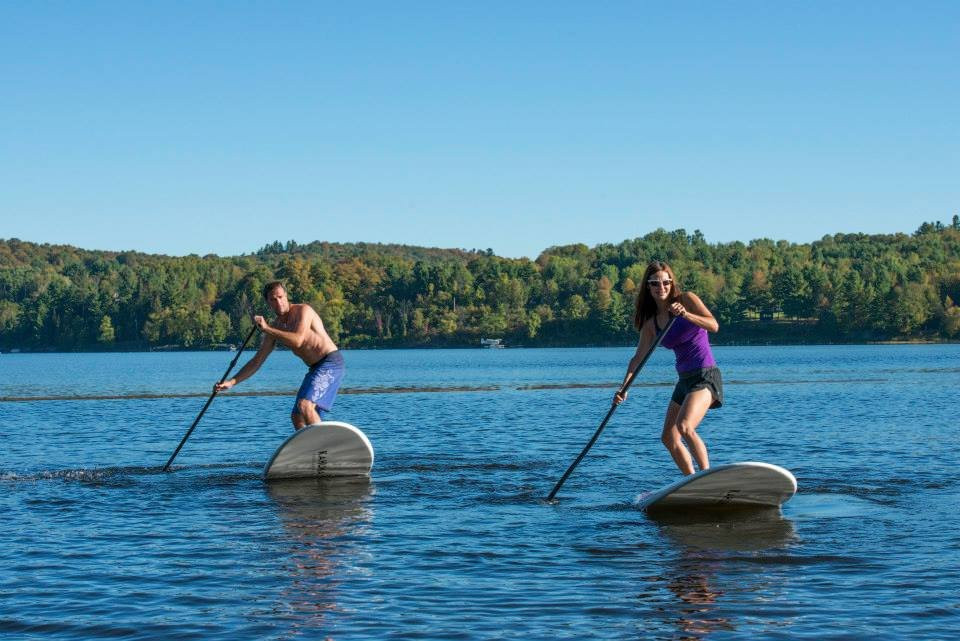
{"x": 321, "y": 383}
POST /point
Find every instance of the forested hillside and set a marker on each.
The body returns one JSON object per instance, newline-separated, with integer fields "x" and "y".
{"x": 845, "y": 287}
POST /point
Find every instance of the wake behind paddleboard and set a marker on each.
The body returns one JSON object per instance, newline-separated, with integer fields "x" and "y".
{"x": 737, "y": 485}
{"x": 325, "y": 449}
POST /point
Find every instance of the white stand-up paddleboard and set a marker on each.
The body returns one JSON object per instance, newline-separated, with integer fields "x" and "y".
{"x": 737, "y": 485}
{"x": 325, "y": 449}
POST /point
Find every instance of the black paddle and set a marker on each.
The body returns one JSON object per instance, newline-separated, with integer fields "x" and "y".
{"x": 613, "y": 408}
{"x": 210, "y": 400}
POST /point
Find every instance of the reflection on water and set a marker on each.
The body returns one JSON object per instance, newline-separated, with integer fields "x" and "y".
{"x": 696, "y": 599}
{"x": 705, "y": 537}
{"x": 324, "y": 520}
{"x": 748, "y": 530}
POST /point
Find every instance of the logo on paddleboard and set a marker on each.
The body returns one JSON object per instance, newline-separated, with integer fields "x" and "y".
{"x": 320, "y": 461}
{"x": 729, "y": 496}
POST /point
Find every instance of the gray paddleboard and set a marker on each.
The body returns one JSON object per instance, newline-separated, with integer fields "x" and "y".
{"x": 737, "y": 485}
{"x": 326, "y": 449}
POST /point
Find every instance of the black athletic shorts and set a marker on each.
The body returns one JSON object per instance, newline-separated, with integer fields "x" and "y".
{"x": 699, "y": 379}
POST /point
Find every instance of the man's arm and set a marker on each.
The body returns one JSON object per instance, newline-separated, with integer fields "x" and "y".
{"x": 296, "y": 338}
{"x": 251, "y": 367}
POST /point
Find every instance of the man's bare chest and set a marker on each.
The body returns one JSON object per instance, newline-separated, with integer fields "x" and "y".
{"x": 288, "y": 323}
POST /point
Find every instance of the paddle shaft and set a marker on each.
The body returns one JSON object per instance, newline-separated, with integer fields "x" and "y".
{"x": 613, "y": 408}
{"x": 210, "y": 400}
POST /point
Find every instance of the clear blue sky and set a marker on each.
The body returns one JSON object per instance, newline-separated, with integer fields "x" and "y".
{"x": 195, "y": 127}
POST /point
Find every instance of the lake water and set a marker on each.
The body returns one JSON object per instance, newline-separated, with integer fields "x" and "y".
{"x": 451, "y": 537}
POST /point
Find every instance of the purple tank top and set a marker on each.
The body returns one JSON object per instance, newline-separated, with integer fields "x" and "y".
{"x": 690, "y": 343}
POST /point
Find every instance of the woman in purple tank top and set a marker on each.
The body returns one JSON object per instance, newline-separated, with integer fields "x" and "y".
{"x": 700, "y": 386}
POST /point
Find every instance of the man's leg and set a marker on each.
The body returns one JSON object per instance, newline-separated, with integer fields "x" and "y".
{"x": 307, "y": 410}
{"x": 297, "y": 420}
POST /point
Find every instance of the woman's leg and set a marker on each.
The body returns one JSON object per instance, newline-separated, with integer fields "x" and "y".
{"x": 694, "y": 408}
{"x": 673, "y": 440}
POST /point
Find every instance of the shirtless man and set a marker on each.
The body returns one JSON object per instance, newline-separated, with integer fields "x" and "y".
{"x": 298, "y": 327}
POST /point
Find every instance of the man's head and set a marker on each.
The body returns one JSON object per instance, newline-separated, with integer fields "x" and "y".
{"x": 276, "y": 296}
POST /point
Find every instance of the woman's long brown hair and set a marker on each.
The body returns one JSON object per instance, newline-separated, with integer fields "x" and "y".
{"x": 646, "y": 306}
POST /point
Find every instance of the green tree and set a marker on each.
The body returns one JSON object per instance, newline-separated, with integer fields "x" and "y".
{"x": 107, "y": 334}
{"x": 9, "y": 316}
{"x": 791, "y": 292}
{"x": 951, "y": 319}
{"x": 534, "y": 321}
{"x": 615, "y": 318}
{"x": 758, "y": 294}
{"x": 492, "y": 323}
{"x": 908, "y": 308}
{"x": 576, "y": 308}
{"x": 220, "y": 327}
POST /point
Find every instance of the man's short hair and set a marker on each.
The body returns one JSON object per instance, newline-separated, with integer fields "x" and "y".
{"x": 272, "y": 285}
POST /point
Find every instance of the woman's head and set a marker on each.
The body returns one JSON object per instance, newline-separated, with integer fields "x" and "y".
{"x": 658, "y": 285}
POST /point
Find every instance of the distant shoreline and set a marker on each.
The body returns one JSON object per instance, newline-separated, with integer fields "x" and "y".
{"x": 841, "y": 289}
{"x": 714, "y": 343}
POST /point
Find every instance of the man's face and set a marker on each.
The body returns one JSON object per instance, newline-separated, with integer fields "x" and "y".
{"x": 277, "y": 299}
